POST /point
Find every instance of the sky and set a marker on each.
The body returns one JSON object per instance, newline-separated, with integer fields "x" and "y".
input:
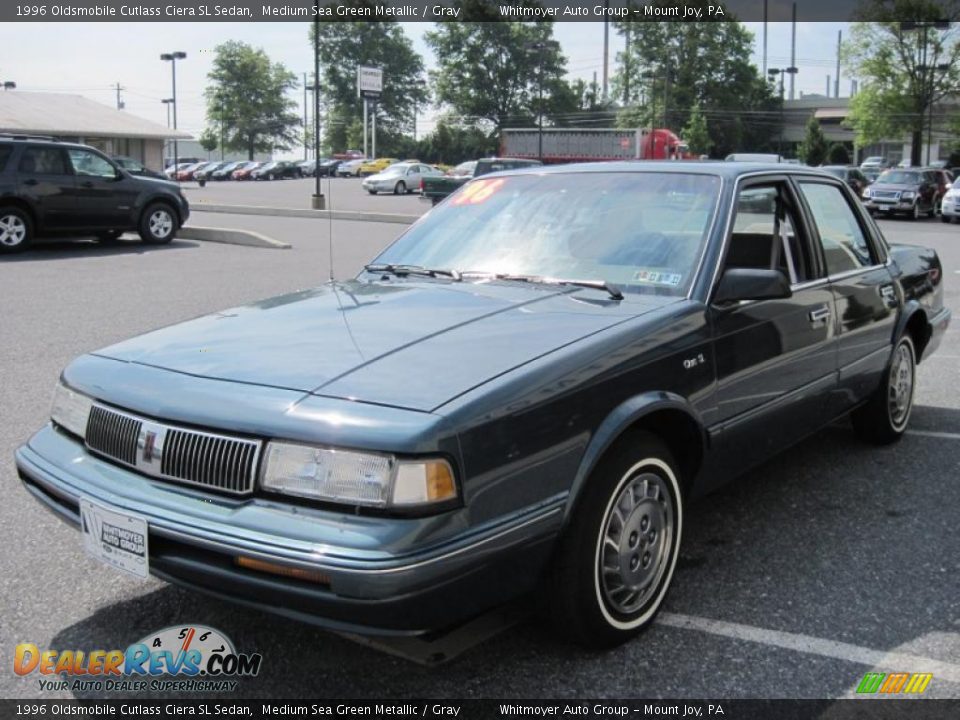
{"x": 90, "y": 58}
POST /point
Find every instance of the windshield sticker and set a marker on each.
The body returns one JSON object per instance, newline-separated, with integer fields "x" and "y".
{"x": 657, "y": 277}
{"x": 477, "y": 192}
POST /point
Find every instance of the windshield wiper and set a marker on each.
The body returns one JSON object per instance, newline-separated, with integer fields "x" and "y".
{"x": 610, "y": 288}
{"x": 404, "y": 270}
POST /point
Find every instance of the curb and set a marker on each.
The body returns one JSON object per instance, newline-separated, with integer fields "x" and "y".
{"x": 354, "y": 215}
{"x": 230, "y": 236}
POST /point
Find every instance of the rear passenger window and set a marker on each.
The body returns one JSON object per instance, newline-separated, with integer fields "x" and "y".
{"x": 845, "y": 244}
{"x": 6, "y": 150}
{"x": 43, "y": 161}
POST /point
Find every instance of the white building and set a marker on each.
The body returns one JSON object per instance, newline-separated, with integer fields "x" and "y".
{"x": 75, "y": 118}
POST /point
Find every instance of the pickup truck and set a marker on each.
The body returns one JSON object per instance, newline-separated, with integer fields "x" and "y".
{"x": 436, "y": 189}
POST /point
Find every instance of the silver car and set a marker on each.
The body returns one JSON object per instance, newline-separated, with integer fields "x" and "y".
{"x": 399, "y": 178}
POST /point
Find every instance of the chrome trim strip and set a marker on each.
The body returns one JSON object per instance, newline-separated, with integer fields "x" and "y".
{"x": 185, "y": 448}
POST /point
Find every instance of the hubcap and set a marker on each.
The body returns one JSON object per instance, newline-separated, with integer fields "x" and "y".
{"x": 160, "y": 223}
{"x": 637, "y": 540}
{"x": 900, "y": 386}
{"x": 12, "y": 230}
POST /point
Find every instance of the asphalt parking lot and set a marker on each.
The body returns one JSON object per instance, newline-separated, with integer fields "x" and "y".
{"x": 833, "y": 560}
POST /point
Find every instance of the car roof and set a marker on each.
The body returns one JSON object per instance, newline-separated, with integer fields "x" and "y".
{"x": 719, "y": 168}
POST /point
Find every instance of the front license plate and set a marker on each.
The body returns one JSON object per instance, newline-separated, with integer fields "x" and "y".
{"x": 118, "y": 539}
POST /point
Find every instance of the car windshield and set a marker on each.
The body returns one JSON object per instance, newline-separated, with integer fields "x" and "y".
{"x": 643, "y": 232}
{"x": 899, "y": 177}
{"x": 396, "y": 170}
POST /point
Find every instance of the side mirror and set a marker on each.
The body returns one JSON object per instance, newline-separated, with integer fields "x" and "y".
{"x": 751, "y": 284}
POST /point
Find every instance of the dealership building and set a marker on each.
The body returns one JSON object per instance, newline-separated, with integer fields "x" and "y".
{"x": 74, "y": 118}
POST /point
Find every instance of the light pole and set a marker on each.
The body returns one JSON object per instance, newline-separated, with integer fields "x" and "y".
{"x": 540, "y": 46}
{"x": 772, "y": 74}
{"x": 172, "y": 58}
{"x": 166, "y": 146}
{"x": 318, "y": 201}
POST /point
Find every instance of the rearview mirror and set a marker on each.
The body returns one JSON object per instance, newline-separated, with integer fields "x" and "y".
{"x": 752, "y": 284}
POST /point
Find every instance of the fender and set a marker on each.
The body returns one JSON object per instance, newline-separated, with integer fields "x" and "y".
{"x": 614, "y": 425}
{"x": 910, "y": 308}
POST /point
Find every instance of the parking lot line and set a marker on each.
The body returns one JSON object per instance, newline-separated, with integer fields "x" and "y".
{"x": 896, "y": 661}
{"x": 935, "y": 434}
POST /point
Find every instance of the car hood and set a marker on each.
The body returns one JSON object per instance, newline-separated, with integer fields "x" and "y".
{"x": 409, "y": 344}
{"x": 894, "y": 186}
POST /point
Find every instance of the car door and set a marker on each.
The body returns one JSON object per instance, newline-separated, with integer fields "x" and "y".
{"x": 105, "y": 196}
{"x": 776, "y": 359}
{"x": 44, "y": 180}
{"x": 866, "y": 297}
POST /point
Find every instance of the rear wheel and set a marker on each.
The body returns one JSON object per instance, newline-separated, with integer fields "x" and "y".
{"x": 884, "y": 418}
{"x": 158, "y": 224}
{"x": 617, "y": 558}
{"x": 400, "y": 188}
{"x": 16, "y": 230}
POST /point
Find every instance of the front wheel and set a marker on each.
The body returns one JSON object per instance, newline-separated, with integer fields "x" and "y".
{"x": 617, "y": 558}
{"x": 158, "y": 224}
{"x": 915, "y": 211}
{"x": 16, "y": 230}
{"x": 884, "y": 418}
{"x": 400, "y": 188}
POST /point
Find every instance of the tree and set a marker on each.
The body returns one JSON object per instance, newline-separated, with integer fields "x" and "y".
{"x": 906, "y": 66}
{"x": 247, "y": 94}
{"x": 696, "y": 133}
{"x": 838, "y": 154}
{"x": 344, "y": 47}
{"x": 813, "y": 149}
{"x": 209, "y": 140}
{"x": 489, "y": 71}
{"x": 673, "y": 67}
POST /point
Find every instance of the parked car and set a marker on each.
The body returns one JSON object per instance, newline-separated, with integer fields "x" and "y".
{"x": 372, "y": 167}
{"x": 172, "y": 170}
{"x": 135, "y": 167}
{"x": 181, "y": 161}
{"x": 50, "y": 188}
{"x": 400, "y": 178}
{"x": 871, "y": 174}
{"x": 327, "y": 167}
{"x": 350, "y": 168}
{"x": 225, "y": 172}
{"x": 877, "y": 162}
{"x": 306, "y": 168}
{"x": 186, "y": 174}
{"x": 950, "y": 205}
{"x": 529, "y": 390}
{"x": 205, "y": 173}
{"x": 276, "y": 170}
{"x": 852, "y": 176}
{"x": 436, "y": 188}
{"x": 908, "y": 192}
{"x": 245, "y": 171}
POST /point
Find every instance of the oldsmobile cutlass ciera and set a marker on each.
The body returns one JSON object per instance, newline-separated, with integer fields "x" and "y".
{"x": 523, "y": 392}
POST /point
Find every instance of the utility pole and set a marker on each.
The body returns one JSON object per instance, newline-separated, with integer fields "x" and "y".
{"x": 793, "y": 47}
{"x": 305, "y": 144}
{"x": 318, "y": 201}
{"x": 606, "y": 50}
{"x": 836, "y": 82}
{"x": 120, "y": 103}
{"x": 765, "y": 2}
{"x": 626, "y": 67}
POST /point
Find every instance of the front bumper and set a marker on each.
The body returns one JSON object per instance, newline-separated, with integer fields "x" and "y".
{"x": 194, "y": 538}
{"x": 900, "y": 206}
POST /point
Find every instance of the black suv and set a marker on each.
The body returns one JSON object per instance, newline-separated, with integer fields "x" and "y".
{"x": 52, "y": 188}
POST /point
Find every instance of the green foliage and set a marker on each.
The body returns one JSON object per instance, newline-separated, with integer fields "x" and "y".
{"x": 209, "y": 140}
{"x": 490, "y": 72}
{"x": 900, "y": 80}
{"x": 838, "y": 154}
{"x": 345, "y": 46}
{"x": 452, "y": 144}
{"x": 813, "y": 149}
{"x": 247, "y": 93}
{"x": 696, "y": 133}
{"x": 676, "y": 66}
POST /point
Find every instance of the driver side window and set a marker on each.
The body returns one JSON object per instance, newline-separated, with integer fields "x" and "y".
{"x": 765, "y": 234}
{"x": 90, "y": 164}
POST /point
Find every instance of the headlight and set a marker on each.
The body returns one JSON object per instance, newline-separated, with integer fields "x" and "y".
{"x": 907, "y": 194}
{"x": 70, "y": 410}
{"x": 359, "y": 478}
{"x": 865, "y": 193}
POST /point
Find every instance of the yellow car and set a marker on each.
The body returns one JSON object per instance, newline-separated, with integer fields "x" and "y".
{"x": 372, "y": 167}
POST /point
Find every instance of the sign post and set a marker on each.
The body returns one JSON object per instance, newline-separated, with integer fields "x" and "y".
{"x": 369, "y": 87}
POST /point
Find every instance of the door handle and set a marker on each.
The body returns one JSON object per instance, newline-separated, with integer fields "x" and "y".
{"x": 821, "y": 314}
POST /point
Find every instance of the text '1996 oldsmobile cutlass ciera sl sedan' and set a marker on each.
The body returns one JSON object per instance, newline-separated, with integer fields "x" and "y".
{"x": 522, "y": 393}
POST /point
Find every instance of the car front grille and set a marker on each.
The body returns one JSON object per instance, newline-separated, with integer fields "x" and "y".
{"x": 182, "y": 455}
{"x": 886, "y": 194}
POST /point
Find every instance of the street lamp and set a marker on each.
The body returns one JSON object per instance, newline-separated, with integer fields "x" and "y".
{"x": 540, "y": 46}
{"x": 172, "y": 58}
{"x": 318, "y": 201}
{"x": 166, "y": 145}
